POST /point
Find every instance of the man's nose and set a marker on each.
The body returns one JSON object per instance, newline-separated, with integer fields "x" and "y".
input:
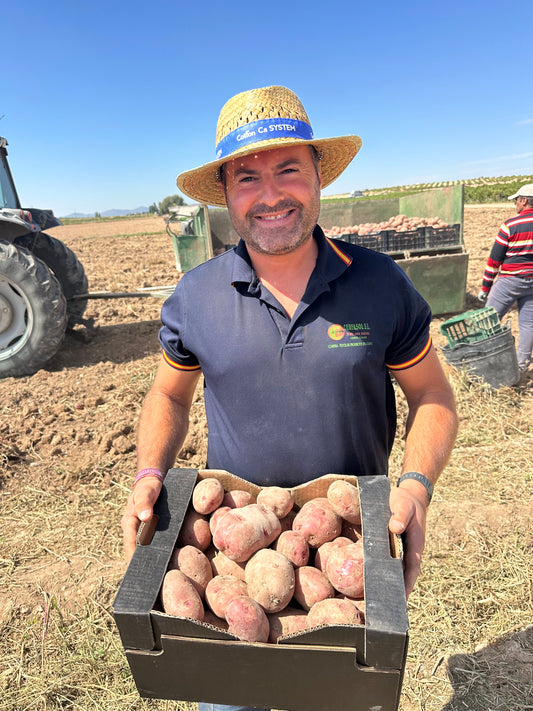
{"x": 271, "y": 191}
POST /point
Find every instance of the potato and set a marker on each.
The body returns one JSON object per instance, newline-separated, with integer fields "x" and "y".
{"x": 322, "y": 553}
{"x": 311, "y": 585}
{"x": 247, "y": 620}
{"x": 207, "y": 496}
{"x": 220, "y": 590}
{"x": 276, "y": 499}
{"x": 194, "y": 531}
{"x": 194, "y": 564}
{"x": 243, "y": 531}
{"x": 333, "y": 612}
{"x": 270, "y": 579}
{"x": 293, "y": 546}
{"x": 345, "y": 569}
{"x": 216, "y": 516}
{"x": 286, "y": 622}
{"x": 344, "y": 498}
{"x": 222, "y": 565}
{"x": 237, "y": 498}
{"x": 180, "y": 598}
{"x": 317, "y": 522}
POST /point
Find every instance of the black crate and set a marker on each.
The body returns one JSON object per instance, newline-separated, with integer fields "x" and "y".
{"x": 375, "y": 240}
{"x": 437, "y": 237}
{"x": 406, "y": 241}
{"x": 347, "y": 668}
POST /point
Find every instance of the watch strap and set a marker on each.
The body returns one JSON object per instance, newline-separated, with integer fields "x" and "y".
{"x": 421, "y": 479}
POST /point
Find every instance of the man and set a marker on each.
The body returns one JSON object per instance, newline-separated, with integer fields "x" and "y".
{"x": 295, "y": 334}
{"x": 511, "y": 260}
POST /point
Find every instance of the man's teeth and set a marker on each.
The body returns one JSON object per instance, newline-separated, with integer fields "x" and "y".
{"x": 275, "y": 217}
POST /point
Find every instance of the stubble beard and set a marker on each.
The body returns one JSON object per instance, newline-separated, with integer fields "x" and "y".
{"x": 277, "y": 241}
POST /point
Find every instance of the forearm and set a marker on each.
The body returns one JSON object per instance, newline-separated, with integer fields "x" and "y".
{"x": 162, "y": 430}
{"x": 431, "y": 432}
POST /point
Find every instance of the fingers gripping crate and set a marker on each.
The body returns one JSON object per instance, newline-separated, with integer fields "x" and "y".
{"x": 471, "y": 326}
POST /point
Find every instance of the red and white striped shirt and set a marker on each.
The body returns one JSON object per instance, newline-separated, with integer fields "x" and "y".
{"x": 512, "y": 251}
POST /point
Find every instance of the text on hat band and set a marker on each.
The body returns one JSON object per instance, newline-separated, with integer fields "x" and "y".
{"x": 263, "y": 130}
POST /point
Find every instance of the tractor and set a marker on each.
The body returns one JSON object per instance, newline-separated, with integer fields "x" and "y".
{"x": 39, "y": 278}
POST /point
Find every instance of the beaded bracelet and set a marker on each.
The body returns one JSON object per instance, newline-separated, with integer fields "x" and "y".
{"x": 151, "y": 471}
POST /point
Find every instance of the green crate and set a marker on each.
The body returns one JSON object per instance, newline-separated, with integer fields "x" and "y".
{"x": 471, "y": 326}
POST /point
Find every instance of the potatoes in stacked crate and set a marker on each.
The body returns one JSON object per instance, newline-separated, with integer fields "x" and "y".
{"x": 264, "y": 568}
{"x": 399, "y": 223}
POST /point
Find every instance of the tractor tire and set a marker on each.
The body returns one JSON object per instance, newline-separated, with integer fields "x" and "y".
{"x": 67, "y": 268}
{"x": 33, "y": 312}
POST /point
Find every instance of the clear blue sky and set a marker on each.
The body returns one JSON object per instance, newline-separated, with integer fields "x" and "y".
{"x": 104, "y": 103}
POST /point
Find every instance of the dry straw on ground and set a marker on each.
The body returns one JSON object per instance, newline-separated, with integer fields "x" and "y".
{"x": 67, "y": 453}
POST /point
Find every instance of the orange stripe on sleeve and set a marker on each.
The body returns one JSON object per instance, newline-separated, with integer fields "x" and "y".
{"x": 414, "y": 360}
{"x": 179, "y": 366}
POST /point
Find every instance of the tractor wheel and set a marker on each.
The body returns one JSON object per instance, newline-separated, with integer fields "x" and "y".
{"x": 33, "y": 312}
{"x": 67, "y": 268}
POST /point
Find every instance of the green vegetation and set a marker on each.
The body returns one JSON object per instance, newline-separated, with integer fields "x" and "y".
{"x": 477, "y": 190}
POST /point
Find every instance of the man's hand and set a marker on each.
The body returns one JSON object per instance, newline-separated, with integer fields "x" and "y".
{"x": 409, "y": 520}
{"x": 482, "y": 296}
{"x": 140, "y": 507}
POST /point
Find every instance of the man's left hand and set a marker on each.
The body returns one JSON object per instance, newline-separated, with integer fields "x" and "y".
{"x": 408, "y": 519}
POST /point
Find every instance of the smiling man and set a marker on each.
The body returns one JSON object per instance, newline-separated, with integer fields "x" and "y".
{"x": 296, "y": 335}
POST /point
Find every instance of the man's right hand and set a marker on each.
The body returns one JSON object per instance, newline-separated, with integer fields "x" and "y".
{"x": 140, "y": 507}
{"x": 482, "y": 296}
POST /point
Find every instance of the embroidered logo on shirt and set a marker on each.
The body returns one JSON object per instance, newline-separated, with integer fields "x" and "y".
{"x": 349, "y": 334}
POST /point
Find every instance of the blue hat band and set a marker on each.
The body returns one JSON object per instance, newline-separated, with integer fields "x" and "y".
{"x": 263, "y": 130}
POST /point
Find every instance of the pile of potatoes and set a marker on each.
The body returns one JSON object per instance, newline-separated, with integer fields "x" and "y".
{"x": 399, "y": 223}
{"x": 262, "y": 568}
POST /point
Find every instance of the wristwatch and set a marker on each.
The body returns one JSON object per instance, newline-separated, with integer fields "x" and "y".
{"x": 421, "y": 479}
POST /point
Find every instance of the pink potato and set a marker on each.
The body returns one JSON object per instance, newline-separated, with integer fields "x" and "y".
{"x": 286, "y": 622}
{"x": 179, "y": 596}
{"x": 317, "y": 522}
{"x": 322, "y": 553}
{"x": 333, "y": 612}
{"x": 207, "y": 496}
{"x": 194, "y": 564}
{"x": 247, "y": 620}
{"x": 222, "y": 565}
{"x": 237, "y": 498}
{"x": 345, "y": 570}
{"x": 216, "y": 516}
{"x": 194, "y": 531}
{"x": 243, "y": 531}
{"x": 293, "y": 546}
{"x": 220, "y": 590}
{"x": 276, "y": 499}
{"x": 344, "y": 497}
{"x": 311, "y": 586}
{"x": 270, "y": 579}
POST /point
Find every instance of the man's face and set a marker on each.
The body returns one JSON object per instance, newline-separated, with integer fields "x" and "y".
{"x": 273, "y": 198}
{"x": 520, "y": 203}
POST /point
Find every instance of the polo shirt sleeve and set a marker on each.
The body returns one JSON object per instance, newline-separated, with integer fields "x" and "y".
{"x": 172, "y": 332}
{"x": 411, "y": 339}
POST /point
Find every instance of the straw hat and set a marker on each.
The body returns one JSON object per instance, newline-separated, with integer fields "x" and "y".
{"x": 256, "y": 120}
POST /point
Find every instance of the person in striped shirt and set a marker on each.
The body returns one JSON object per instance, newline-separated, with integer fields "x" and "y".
{"x": 508, "y": 276}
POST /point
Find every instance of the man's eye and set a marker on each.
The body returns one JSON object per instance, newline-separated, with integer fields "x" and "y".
{"x": 290, "y": 170}
{"x": 246, "y": 179}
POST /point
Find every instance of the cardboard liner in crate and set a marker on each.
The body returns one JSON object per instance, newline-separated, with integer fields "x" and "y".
{"x": 342, "y": 667}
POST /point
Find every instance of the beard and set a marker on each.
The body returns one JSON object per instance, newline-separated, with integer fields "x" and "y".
{"x": 277, "y": 236}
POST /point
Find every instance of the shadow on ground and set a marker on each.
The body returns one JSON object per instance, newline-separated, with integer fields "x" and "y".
{"x": 498, "y": 677}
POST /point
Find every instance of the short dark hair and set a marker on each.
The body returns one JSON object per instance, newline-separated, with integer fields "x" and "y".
{"x": 529, "y": 201}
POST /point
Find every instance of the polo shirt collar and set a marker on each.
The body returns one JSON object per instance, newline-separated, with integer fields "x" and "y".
{"x": 331, "y": 262}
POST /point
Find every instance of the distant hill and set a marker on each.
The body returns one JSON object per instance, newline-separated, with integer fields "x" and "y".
{"x": 109, "y": 213}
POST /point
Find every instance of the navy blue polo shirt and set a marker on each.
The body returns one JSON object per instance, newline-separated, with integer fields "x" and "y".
{"x": 288, "y": 400}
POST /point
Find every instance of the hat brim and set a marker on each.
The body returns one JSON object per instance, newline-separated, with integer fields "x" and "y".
{"x": 203, "y": 185}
